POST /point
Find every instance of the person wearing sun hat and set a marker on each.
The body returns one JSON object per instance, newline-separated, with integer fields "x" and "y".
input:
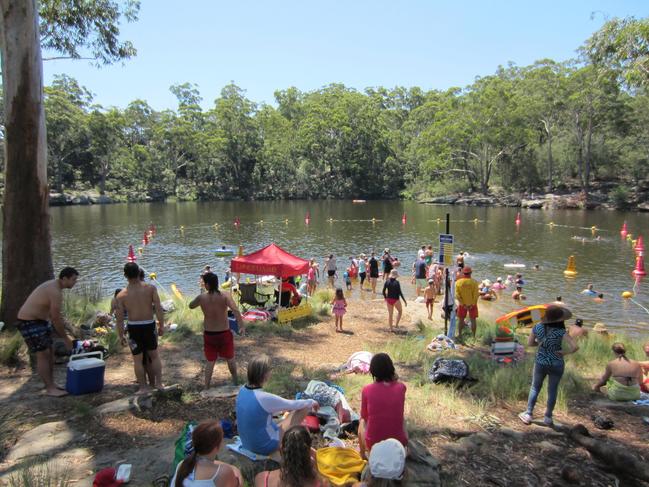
{"x": 554, "y": 343}
{"x": 467, "y": 292}
{"x": 387, "y": 463}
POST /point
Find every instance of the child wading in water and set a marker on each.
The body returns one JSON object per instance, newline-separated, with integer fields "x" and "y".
{"x": 339, "y": 308}
{"x": 429, "y": 295}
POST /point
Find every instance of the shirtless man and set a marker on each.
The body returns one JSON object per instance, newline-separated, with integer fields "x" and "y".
{"x": 41, "y": 310}
{"x": 138, "y": 300}
{"x": 217, "y": 336}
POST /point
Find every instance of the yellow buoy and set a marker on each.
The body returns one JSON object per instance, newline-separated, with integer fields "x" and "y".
{"x": 140, "y": 250}
{"x": 475, "y": 220}
{"x": 629, "y": 236}
{"x": 286, "y": 221}
{"x": 330, "y": 220}
{"x": 627, "y": 294}
{"x": 439, "y": 220}
{"x": 153, "y": 275}
{"x": 551, "y": 224}
{"x": 571, "y": 268}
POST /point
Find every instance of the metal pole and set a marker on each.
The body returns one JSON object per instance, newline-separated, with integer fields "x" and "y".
{"x": 447, "y": 282}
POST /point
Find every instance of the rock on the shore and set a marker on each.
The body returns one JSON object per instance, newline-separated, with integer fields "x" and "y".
{"x": 441, "y": 200}
{"x": 63, "y": 199}
{"x": 534, "y": 204}
{"x": 644, "y": 206}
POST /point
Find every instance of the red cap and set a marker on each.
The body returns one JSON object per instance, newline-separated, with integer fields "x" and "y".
{"x": 467, "y": 270}
{"x": 106, "y": 478}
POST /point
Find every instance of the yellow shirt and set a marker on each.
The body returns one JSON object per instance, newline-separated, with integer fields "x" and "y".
{"x": 466, "y": 291}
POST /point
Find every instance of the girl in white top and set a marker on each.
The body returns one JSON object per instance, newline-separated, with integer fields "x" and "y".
{"x": 202, "y": 469}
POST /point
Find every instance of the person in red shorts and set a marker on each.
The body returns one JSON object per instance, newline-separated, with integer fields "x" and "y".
{"x": 218, "y": 341}
{"x": 467, "y": 293}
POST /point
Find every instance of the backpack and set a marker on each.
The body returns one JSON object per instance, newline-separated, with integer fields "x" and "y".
{"x": 445, "y": 371}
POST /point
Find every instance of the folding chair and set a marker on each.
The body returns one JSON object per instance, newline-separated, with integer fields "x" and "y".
{"x": 249, "y": 297}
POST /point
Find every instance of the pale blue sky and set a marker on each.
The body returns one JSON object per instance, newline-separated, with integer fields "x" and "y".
{"x": 265, "y": 45}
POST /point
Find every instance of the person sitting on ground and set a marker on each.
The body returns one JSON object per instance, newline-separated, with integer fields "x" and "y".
{"x": 387, "y": 464}
{"x": 645, "y": 369}
{"x": 577, "y": 330}
{"x": 589, "y": 291}
{"x": 297, "y": 468}
{"x": 518, "y": 294}
{"x": 621, "y": 376}
{"x": 38, "y": 317}
{"x": 256, "y": 407}
{"x": 201, "y": 468}
{"x": 382, "y": 404}
{"x": 217, "y": 336}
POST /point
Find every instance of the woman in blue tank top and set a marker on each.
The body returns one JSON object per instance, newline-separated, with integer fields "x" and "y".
{"x": 554, "y": 343}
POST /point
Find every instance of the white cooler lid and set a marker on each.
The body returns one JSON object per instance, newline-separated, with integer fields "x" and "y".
{"x": 85, "y": 363}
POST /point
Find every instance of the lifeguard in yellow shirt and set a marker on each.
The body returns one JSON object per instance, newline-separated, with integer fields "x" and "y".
{"x": 467, "y": 293}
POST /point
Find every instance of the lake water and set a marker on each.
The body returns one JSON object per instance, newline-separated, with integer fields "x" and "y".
{"x": 95, "y": 240}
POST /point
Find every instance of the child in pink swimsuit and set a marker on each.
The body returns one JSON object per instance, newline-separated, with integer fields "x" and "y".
{"x": 339, "y": 304}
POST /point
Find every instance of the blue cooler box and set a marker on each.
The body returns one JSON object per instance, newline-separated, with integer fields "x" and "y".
{"x": 85, "y": 373}
{"x": 234, "y": 326}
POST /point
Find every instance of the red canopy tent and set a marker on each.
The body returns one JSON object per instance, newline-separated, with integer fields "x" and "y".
{"x": 272, "y": 260}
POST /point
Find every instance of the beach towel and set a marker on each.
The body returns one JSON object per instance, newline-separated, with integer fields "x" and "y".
{"x": 441, "y": 343}
{"x": 620, "y": 392}
{"x": 359, "y": 362}
{"x": 237, "y": 447}
{"x": 340, "y": 466}
{"x": 256, "y": 315}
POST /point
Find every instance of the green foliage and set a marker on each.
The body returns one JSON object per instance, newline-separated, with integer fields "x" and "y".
{"x": 620, "y": 197}
{"x": 88, "y": 28}
{"x": 521, "y": 128}
{"x": 10, "y": 345}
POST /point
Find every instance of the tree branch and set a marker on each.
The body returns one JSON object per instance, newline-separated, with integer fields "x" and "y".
{"x": 56, "y": 58}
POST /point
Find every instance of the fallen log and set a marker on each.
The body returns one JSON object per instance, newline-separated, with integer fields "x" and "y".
{"x": 614, "y": 458}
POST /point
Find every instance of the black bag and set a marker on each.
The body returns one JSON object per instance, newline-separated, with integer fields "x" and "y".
{"x": 446, "y": 371}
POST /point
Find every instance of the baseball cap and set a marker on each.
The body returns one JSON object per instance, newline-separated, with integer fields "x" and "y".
{"x": 388, "y": 459}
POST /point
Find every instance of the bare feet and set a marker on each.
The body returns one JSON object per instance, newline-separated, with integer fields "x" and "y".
{"x": 56, "y": 392}
{"x": 143, "y": 391}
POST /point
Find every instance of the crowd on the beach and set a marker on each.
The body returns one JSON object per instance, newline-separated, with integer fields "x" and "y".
{"x": 383, "y": 439}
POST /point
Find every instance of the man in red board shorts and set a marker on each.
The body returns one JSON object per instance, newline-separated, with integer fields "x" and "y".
{"x": 466, "y": 292}
{"x": 217, "y": 336}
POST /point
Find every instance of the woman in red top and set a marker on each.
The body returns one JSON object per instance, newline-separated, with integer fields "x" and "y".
{"x": 382, "y": 404}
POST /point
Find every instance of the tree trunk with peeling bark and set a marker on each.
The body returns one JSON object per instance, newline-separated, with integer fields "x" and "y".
{"x": 26, "y": 251}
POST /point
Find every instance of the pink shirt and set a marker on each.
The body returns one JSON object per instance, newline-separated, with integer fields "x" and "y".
{"x": 382, "y": 409}
{"x": 310, "y": 275}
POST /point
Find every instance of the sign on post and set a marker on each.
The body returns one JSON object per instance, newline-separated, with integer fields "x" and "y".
{"x": 446, "y": 253}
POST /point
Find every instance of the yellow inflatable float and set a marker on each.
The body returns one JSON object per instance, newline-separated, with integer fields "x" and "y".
{"x": 627, "y": 294}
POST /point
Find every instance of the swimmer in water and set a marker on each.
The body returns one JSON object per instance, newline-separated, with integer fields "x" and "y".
{"x": 599, "y": 298}
{"x": 518, "y": 294}
{"x": 589, "y": 291}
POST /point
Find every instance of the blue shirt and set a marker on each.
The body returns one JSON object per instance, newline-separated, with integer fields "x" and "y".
{"x": 255, "y": 409}
{"x": 549, "y": 339}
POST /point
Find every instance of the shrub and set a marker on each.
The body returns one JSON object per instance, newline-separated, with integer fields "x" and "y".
{"x": 40, "y": 475}
{"x": 620, "y": 197}
{"x": 10, "y": 345}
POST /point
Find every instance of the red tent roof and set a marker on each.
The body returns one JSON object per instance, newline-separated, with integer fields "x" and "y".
{"x": 272, "y": 260}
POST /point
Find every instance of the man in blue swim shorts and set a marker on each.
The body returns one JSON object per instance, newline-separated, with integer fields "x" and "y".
{"x": 41, "y": 310}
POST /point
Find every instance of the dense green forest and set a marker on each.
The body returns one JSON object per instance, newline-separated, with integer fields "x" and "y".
{"x": 522, "y": 129}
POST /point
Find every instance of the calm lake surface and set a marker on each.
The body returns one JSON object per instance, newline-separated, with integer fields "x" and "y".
{"x": 95, "y": 240}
